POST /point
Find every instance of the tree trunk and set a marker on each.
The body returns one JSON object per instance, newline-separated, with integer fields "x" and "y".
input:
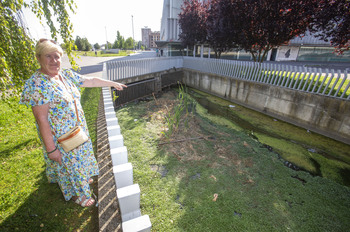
{"x": 254, "y": 57}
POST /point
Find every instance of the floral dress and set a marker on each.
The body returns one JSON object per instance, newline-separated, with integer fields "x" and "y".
{"x": 79, "y": 164}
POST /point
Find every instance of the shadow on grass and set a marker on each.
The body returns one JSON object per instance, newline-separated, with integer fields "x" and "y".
{"x": 46, "y": 210}
{"x": 6, "y": 153}
{"x": 317, "y": 166}
{"x": 345, "y": 174}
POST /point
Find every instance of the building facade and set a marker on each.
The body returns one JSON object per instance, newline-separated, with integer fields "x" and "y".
{"x": 169, "y": 42}
{"x": 145, "y": 33}
{"x": 149, "y": 38}
{"x": 153, "y": 37}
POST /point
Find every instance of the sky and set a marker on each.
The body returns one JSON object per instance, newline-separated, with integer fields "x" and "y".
{"x": 100, "y": 20}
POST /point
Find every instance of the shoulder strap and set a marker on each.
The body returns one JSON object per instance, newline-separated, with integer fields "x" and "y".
{"x": 75, "y": 103}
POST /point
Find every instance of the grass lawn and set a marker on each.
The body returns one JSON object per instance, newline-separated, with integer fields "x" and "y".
{"x": 320, "y": 83}
{"x": 210, "y": 177}
{"x": 27, "y": 201}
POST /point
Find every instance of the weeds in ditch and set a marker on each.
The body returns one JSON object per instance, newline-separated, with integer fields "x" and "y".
{"x": 173, "y": 116}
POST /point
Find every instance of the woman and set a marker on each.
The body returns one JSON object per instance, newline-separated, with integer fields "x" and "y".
{"x": 51, "y": 93}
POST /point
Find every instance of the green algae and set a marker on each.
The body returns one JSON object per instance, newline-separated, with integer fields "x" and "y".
{"x": 309, "y": 151}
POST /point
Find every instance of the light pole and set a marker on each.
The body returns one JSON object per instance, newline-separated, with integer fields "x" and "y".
{"x": 106, "y": 47}
{"x": 133, "y": 39}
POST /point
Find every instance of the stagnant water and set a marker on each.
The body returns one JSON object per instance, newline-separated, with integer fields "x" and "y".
{"x": 300, "y": 148}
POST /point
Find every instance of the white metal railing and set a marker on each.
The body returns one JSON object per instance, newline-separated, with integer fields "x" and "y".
{"x": 324, "y": 82}
{"x": 117, "y": 70}
{"x": 329, "y": 82}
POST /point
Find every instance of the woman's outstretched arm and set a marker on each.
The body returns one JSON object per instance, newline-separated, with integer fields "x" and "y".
{"x": 98, "y": 82}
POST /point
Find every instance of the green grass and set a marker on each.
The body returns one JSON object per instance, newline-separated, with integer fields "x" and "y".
{"x": 27, "y": 201}
{"x": 103, "y": 54}
{"x": 300, "y": 80}
{"x": 297, "y": 80}
{"x": 256, "y": 192}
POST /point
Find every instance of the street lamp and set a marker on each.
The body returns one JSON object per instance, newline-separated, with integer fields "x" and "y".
{"x": 133, "y": 39}
{"x": 106, "y": 47}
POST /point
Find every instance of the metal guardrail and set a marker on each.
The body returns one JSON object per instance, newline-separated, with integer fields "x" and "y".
{"x": 117, "y": 70}
{"x": 312, "y": 80}
{"x": 328, "y": 83}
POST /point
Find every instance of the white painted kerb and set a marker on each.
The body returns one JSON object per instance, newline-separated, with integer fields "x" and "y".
{"x": 128, "y": 193}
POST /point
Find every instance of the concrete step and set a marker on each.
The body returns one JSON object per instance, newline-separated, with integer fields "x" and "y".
{"x": 140, "y": 224}
{"x": 110, "y": 109}
{"x": 113, "y": 130}
{"x": 110, "y": 114}
{"x": 119, "y": 155}
{"x": 112, "y": 121}
{"x": 116, "y": 141}
{"x": 123, "y": 175}
{"x": 129, "y": 202}
{"x": 108, "y": 104}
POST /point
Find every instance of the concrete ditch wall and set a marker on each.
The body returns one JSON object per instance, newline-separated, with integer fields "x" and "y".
{"x": 324, "y": 115}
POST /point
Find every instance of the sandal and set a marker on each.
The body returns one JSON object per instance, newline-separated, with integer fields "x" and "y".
{"x": 85, "y": 202}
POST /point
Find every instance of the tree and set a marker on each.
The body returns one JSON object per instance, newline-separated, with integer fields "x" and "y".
{"x": 219, "y": 28}
{"x": 17, "y": 58}
{"x": 257, "y": 26}
{"x": 86, "y": 45}
{"x": 82, "y": 44}
{"x": 332, "y": 23}
{"x": 119, "y": 42}
{"x": 139, "y": 45}
{"x": 108, "y": 45}
{"x": 129, "y": 44}
{"x": 78, "y": 44}
{"x": 192, "y": 21}
{"x": 97, "y": 46}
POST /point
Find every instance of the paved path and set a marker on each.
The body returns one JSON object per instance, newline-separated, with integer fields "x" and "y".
{"x": 93, "y": 66}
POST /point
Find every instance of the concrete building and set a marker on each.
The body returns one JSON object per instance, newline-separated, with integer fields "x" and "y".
{"x": 153, "y": 37}
{"x": 145, "y": 33}
{"x": 169, "y": 43}
{"x": 149, "y": 38}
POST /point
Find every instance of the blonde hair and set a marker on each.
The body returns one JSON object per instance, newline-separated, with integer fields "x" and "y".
{"x": 45, "y": 46}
